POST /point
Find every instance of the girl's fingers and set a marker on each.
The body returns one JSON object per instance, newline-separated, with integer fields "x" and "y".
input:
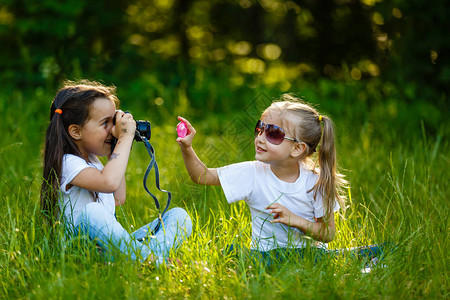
{"x": 121, "y": 113}
{"x": 187, "y": 140}
{"x": 127, "y": 115}
{"x": 271, "y": 206}
{"x": 183, "y": 120}
{"x": 126, "y": 120}
{"x": 189, "y": 125}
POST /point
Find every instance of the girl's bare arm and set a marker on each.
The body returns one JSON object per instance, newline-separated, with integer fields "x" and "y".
{"x": 111, "y": 178}
{"x": 323, "y": 230}
{"x": 198, "y": 171}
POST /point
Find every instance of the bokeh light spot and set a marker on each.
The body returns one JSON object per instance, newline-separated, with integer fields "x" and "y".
{"x": 355, "y": 74}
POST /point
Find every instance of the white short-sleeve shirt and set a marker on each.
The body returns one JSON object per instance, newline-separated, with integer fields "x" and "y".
{"x": 75, "y": 199}
{"x": 258, "y": 186}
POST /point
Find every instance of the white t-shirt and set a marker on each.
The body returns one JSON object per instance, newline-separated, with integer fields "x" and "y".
{"x": 258, "y": 186}
{"x": 75, "y": 199}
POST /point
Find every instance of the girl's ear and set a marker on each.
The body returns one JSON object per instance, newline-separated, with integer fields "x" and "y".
{"x": 75, "y": 131}
{"x": 298, "y": 149}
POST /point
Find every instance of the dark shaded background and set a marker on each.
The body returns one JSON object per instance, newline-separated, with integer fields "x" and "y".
{"x": 149, "y": 45}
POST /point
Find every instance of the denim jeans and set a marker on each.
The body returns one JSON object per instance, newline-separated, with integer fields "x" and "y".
{"x": 100, "y": 225}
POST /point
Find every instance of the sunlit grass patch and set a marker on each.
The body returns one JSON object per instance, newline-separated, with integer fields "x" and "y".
{"x": 398, "y": 193}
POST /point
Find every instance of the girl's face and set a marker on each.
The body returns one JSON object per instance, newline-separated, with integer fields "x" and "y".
{"x": 270, "y": 153}
{"x": 95, "y": 134}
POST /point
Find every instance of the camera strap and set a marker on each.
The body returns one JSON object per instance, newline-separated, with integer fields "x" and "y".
{"x": 153, "y": 164}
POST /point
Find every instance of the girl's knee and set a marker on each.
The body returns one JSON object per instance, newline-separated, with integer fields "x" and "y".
{"x": 178, "y": 213}
{"x": 182, "y": 218}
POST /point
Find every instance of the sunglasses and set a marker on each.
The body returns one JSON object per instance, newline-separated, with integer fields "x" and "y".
{"x": 274, "y": 134}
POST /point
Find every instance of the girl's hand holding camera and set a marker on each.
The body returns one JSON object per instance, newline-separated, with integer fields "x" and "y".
{"x": 125, "y": 125}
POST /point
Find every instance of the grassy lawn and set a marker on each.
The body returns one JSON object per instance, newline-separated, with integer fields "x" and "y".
{"x": 395, "y": 155}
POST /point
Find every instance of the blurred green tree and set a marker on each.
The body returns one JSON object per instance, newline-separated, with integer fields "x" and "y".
{"x": 414, "y": 43}
{"x": 277, "y": 42}
{"x": 45, "y": 40}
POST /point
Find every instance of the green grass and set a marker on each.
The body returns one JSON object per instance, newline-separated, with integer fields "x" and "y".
{"x": 396, "y": 161}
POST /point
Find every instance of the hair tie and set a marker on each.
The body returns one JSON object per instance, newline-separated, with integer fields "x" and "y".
{"x": 59, "y": 111}
{"x": 320, "y": 118}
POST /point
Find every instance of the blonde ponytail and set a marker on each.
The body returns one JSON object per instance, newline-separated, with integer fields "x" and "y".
{"x": 330, "y": 182}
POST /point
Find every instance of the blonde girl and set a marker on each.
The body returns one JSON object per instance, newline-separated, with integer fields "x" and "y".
{"x": 289, "y": 195}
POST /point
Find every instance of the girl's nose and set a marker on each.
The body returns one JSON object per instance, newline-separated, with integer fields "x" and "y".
{"x": 110, "y": 128}
{"x": 261, "y": 137}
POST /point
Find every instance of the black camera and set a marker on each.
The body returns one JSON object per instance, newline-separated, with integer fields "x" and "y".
{"x": 143, "y": 129}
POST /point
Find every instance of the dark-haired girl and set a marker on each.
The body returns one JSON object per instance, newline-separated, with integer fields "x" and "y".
{"x": 78, "y": 188}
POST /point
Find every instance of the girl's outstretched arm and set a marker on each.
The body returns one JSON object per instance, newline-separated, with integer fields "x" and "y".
{"x": 321, "y": 230}
{"x": 111, "y": 178}
{"x": 197, "y": 170}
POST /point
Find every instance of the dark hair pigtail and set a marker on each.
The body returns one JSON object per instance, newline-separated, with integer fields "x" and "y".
{"x": 53, "y": 156}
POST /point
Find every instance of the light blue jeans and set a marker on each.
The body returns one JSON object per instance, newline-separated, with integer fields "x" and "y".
{"x": 101, "y": 225}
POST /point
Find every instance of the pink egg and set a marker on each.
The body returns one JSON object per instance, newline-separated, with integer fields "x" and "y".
{"x": 182, "y": 129}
